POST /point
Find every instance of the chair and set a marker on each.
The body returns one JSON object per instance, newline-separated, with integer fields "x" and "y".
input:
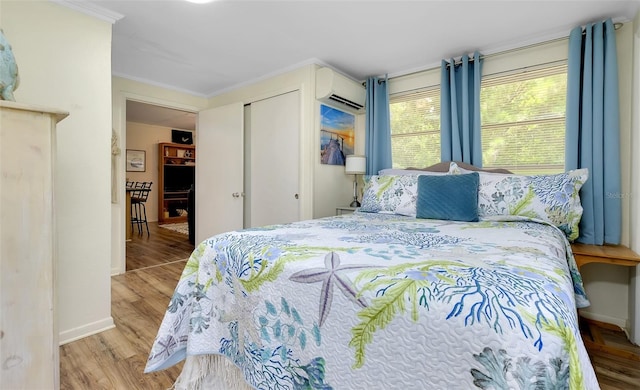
{"x": 139, "y": 197}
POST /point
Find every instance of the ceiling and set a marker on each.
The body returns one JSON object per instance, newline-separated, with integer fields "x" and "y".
{"x": 208, "y": 49}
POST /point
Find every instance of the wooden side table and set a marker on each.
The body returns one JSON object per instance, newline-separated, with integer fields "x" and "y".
{"x": 606, "y": 254}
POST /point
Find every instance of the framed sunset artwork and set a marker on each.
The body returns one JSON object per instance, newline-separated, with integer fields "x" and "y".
{"x": 337, "y": 133}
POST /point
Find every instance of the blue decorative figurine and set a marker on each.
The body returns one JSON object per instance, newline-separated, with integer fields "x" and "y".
{"x": 9, "y": 79}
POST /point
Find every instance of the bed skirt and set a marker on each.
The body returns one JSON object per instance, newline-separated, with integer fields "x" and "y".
{"x": 211, "y": 372}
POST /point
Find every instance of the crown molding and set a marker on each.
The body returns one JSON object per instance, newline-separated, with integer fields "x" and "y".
{"x": 158, "y": 84}
{"x": 91, "y": 10}
{"x": 296, "y": 66}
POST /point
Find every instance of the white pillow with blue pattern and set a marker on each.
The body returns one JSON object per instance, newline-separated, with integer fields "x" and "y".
{"x": 550, "y": 198}
{"x": 390, "y": 194}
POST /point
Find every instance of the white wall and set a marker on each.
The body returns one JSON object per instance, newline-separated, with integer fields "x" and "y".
{"x": 45, "y": 36}
{"x": 607, "y": 286}
{"x": 123, "y": 90}
{"x": 322, "y": 188}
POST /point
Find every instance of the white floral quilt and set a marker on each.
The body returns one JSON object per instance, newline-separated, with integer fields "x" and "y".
{"x": 379, "y": 301}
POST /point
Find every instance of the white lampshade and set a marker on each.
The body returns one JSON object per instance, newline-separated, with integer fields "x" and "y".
{"x": 355, "y": 165}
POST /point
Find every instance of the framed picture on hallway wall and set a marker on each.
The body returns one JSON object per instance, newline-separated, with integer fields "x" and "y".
{"x": 337, "y": 132}
{"x": 136, "y": 160}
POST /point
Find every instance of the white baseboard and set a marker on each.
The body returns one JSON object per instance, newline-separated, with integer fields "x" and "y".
{"x": 80, "y": 332}
{"x": 622, "y": 323}
{"x": 116, "y": 271}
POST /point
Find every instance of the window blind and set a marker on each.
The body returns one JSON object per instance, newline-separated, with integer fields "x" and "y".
{"x": 415, "y": 128}
{"x": 523, "y": 120}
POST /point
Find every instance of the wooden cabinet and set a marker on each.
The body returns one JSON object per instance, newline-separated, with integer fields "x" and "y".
{"x": 176, "y": 175}
{"x": 28, "y": 323}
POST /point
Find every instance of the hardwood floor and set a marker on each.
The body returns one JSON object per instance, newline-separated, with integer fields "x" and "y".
{"x": 615, "y": 372}
{"x": 115, "y": 359}
{"x": 160, "y": 247}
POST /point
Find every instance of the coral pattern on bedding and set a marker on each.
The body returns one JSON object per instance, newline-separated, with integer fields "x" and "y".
{"x": 550, "y": 198}
{"x": 381, "y": 301}
{"x": 390, "y": 194}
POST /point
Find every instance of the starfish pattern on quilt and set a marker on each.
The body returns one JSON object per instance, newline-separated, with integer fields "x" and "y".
{"x": 242, "y": 313}
{"x": 330, "y": 277}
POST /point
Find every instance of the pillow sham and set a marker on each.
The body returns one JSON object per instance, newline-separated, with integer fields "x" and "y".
{"x": 550, "y": 198}
{"x": 451, "y": 197}
{"x": 390, "y": 194}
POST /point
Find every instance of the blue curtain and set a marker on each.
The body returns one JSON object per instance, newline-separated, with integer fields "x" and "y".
{"x": 460, "y": 110}
{"x": 593, "y": 129}
{"x": 377, "y": 126}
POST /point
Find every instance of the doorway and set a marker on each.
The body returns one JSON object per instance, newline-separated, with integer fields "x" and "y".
{"x": 147, "y": 125}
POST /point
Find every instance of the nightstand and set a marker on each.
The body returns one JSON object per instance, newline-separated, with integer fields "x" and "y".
{"x": 345, "y": 210}
{"x": 606, "y": 254}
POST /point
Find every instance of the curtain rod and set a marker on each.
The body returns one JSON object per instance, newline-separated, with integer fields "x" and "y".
{"x": 616, "y": 26}
{"x": 458, "y": 62}
{"x": 380, "y": 81}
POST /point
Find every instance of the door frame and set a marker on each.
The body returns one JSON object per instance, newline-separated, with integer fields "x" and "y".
{"x": 308, "y": 150}
{"x": 118, "y": 219}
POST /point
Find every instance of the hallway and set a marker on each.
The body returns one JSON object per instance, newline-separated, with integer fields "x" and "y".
{"x": 162, "y": 246}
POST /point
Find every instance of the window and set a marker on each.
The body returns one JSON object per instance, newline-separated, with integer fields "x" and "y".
{"x": 415, "y": 128}
{"x": 523, "y": 120}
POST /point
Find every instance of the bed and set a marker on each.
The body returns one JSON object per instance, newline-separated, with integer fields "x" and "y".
{"x": 417, "y": 289}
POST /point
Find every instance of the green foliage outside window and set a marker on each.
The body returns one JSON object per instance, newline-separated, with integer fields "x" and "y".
{"x": 415, "y": 129}
{"x": 523, "y": 123}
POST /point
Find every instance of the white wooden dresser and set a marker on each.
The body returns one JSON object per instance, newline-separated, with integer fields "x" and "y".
{"x": 29, "y": 357}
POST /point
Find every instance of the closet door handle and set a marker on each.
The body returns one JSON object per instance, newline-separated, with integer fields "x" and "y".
{"x": 296, "y": 196}
{"x": 235, "y": 195}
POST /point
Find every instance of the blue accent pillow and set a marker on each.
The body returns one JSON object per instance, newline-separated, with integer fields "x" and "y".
{"x": 450, "y": 197}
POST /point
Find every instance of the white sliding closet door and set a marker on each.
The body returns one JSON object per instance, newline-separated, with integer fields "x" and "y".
{"x": 274, "y": 160}
{"x": 219, "y": 171}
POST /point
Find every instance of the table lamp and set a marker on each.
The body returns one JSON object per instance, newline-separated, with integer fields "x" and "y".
{"x": 355, "y": 165}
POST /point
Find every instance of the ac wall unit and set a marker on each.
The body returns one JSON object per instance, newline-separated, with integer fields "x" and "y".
{"x": 340, "y": 91}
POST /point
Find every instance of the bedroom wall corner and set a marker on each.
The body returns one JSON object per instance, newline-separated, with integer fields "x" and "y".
{"x": 64, "y": 58}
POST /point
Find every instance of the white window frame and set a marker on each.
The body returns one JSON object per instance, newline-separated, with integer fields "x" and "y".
{"x": 499, "y": 62}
